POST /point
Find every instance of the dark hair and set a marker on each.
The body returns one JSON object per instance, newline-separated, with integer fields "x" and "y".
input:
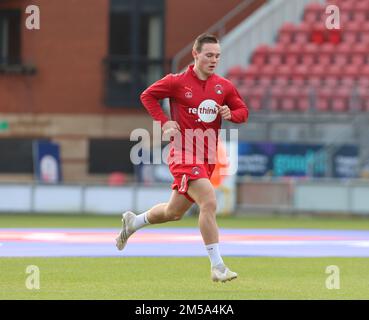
{"x": 202, "y": 39}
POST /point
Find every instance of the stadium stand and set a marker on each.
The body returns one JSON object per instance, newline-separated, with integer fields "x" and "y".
{"x": 311, "y": 67}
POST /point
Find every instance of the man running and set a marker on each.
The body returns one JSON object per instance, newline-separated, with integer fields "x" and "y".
{"x": 199, "y": 100}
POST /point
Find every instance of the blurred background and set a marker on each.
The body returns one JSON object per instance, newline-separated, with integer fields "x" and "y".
{"x": 69, "y": 100}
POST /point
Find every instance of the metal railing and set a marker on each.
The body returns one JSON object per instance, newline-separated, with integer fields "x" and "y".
{"x": 218, "y": 28}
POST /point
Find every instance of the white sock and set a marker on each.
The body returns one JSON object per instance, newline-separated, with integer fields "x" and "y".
{"x": 214, "y": 255}
{"x": 141, "y": 221}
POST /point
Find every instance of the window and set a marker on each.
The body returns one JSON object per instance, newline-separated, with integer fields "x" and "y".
{"x": 136, "y": 41}
{"x": 16, "y": 155}
{"x": 10, "y": 37}
{"x": 110, "y": 155}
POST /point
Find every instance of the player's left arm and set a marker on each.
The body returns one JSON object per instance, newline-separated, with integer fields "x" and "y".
{"x": 234, "y": 109}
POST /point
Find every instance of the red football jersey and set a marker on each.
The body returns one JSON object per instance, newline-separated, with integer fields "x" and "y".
{"x": 193, "y": 107}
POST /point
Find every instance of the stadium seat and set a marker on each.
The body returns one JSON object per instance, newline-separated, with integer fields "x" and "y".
{"x": 350, "y": 33}
{"x": 281, "y": 80}
{"x": 359, "y": 54}
{"x": 351, "y": 71}
{"x": 345, "y": 18}
{"x": 316, "y": 76}
{"x": 364, "y": 33}
{"x": 340, "y": 99}
{"x": 267, "y": 70}
{"x": 299, "y": 75}
{"x": 303, "y": 100}
{"x": 302, "y": 33}
{"x": 275, "y": 54}
{"x": 260, "y": 55}
{"x": 255, "y": 98}
{"x": 322, "y": 98}
{"x": 309, "y": 54}
{"x": 348, "y": 81}
{"x": 318, "y": 33}
{"x": 275, "y": 94}
{"x": 284, "y": 70}
{"x": 286, "y": 33}
{"x": 363, "y": 98}
{"x": 359, "y": 16}
{"x": 342, "y": 53}
{"x": 334, "y": 36}
{"x": 313, "y": 12}
{"x": 325, "y": 56}
{"x": 288, "y": 100}
{"x": 235, "y": 75}
{"x": 251, "y": 73}
{"x": 332, "y": 75}
{"x": 292, "y": 53}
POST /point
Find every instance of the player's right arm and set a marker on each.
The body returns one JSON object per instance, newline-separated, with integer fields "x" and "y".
{"x": 153, "y": 94}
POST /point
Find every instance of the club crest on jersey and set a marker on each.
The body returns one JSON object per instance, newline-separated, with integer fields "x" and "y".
{"x": 218, "y": 89}
{"x": 188, "y": 94}
{"x": 196, "y": 171}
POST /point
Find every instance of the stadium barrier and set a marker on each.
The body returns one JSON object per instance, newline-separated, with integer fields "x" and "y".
{"x": 318, "y": 196}
{"x": 313, "y": 196}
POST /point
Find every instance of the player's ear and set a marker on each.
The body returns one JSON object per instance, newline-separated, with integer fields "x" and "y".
{"x": 194, "y": 54}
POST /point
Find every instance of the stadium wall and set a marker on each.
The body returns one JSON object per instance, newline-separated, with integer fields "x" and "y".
{"x": 64, "y": 100}
{"x": 300, "y": 196}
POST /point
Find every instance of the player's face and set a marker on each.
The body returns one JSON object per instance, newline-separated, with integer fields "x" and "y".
{"x": 207, "y": 59}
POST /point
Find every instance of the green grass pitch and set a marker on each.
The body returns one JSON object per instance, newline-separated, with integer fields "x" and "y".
{"x": 151, "y": 278}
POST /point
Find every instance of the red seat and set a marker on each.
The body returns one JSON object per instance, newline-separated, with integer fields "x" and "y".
{"x": 303, "y": 101}
{"x": 310, "y": 17}
{"x": 340, "y": 99}
{"x": 275, "y": 55}
{"x": 322, "y": 98}
{"x": 284, "y": 70}
{"x": 316, "y": 75}
{"x": 341, "y": 55}
{"x": 309, "y": 54}
{"x": 286, "y": 33}
{"x": 351, "y": 70}
{"x": 348, "y": 82}
{"x": 345, "y": 17}
{"x": 332, "y": 75}
{"x": 363, "y": 81}
{"x": 360, "y": 16}
{"x": 350, "y": 32}
{"x": 292, "y": 53}
{"x": 275, "y": 95}
{"x": 260, "y": 54}
{"x": 268, "y": 70}
{"x": 313, "y": 12}
{"x": 299, "y": 75}
{"x": 359, "y": 54}
{"x": 281, "y": 80}
{"x": 363, "y": 98}
{"x": 288, "y": 100}
{"x": 253, "y": 97}
{"x": 235, "y": 75}
{"x": 334, "y": 36}
{"x": 318, "y": 33}
{"x": 325, "y": 56}
{"x": 250, "y": 74}
{"x": 362, "y": 6}
{"x": 302, "y": 33}
{"x": 364, "y": 34}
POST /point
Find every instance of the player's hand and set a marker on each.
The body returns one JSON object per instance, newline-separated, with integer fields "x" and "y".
{"x": 225, "y": 112}
{"x": 170, "y": 128}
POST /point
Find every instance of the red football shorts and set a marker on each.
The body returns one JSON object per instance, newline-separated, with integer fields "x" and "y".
{"x": 183, "y": 173}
